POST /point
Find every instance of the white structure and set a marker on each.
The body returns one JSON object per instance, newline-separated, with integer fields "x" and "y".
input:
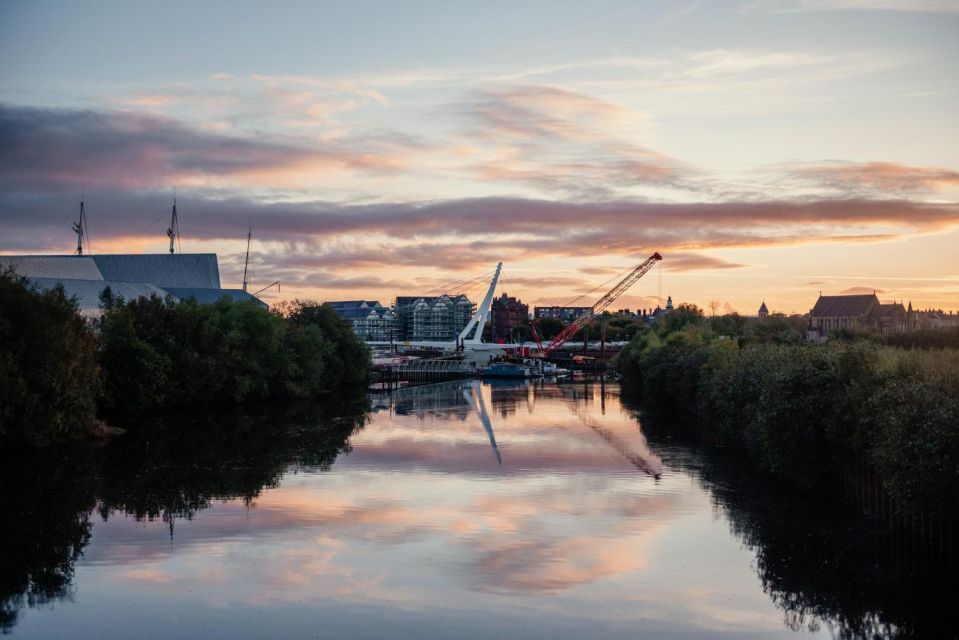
{"x": 470, "y": 338}
{"x": 482, "y": 313}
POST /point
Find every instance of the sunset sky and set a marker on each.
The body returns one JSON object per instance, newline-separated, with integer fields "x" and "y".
{"x": 769, "y": 150}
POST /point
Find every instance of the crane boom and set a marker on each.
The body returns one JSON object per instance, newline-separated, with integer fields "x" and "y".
{"x": 602, "y": 304}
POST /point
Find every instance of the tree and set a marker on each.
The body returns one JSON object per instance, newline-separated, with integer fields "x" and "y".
{"x": 48, "y": 371}
{"x": 549, "y": 328}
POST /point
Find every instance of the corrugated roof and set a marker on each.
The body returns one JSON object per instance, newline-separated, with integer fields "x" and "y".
{"x": 165, "y": 270}
{"x": 209, "y": 296}
{"x": 87, "y": 292}
{"x": 71, "y": 267}
{"x": 844, "y": 306}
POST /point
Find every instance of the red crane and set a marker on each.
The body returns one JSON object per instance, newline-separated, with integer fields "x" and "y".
{"x": 601, "y": 305}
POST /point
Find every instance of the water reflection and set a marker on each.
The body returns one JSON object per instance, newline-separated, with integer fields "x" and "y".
{"x": 171, "y": 468}
{"x": 45, "y": 506}
{"x": 454, "y": 510}
{"x": 821, "y": 564}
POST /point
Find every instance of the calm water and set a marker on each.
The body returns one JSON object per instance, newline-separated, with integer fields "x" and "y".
{"x": 460, "y": 510}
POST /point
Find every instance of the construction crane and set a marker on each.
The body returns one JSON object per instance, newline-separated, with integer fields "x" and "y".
{"x": 601, "y": 305}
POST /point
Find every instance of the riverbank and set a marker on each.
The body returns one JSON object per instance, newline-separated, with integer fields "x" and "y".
{"x": 803, "y": 412}
{"x": 61, "y": 375}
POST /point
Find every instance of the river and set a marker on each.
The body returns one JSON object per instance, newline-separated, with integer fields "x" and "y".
{"x": 457, "y": 510}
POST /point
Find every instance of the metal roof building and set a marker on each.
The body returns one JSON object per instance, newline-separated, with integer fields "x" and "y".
{"x": 182, "y": 276}
{"x": 199, "y": 270}
{"x": 69, "y": 267}
{"x": 209, "y": 296}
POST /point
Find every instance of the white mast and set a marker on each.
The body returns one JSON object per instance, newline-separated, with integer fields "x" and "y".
{"x": 482, "y": 312}
{"x": 246, "y": 264}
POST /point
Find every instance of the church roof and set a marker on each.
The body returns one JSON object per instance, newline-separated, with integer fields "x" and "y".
{"x": 844, "y": 306}
{"x": 888, "y": 309}
{"x": 762, "y": 308}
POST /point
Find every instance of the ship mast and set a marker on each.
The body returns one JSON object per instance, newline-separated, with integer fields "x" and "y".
{"x": 174, "y": 231}
{"x": 246, "y": 264}
{"x": 80, "y": 227}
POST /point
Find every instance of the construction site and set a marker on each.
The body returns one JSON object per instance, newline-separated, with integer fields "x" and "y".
{"x": 467, "y": 355}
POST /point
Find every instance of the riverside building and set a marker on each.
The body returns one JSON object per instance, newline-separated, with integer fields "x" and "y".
{"x": 370, "y": 319}
{"x": 432, "y": 318}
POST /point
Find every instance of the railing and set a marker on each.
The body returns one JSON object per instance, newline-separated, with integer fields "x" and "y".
{"x": 422, "y": 370}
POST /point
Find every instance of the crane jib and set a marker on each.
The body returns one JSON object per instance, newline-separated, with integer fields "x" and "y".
{"x": 603, "y": 303}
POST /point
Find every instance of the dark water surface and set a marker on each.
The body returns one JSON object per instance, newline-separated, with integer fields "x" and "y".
{"x": 461, "y": 510}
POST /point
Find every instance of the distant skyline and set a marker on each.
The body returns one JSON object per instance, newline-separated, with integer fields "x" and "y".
{"x": 769, "y": 150}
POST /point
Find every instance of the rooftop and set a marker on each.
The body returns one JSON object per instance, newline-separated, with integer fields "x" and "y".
{"x": 844, "y": 306}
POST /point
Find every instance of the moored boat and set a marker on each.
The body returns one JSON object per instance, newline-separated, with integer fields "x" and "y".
{"x": 508, "y": 370}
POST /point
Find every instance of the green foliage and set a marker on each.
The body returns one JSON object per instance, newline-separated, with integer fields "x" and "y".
{"x": 914, "y": 428}
{"x": 347, "y": 359}
{"x": 48, "y": 369}
{"x": 684, "y": 314}
{"x": 548, "y": 328}
{"x": 156, "y": 355}
{"x": 801, "y": 411}
{"x": 159, "y": 354}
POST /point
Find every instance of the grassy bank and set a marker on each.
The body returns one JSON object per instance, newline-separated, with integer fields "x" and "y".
{"x": 801, "y": 411}
{"x": 59, "y": 374}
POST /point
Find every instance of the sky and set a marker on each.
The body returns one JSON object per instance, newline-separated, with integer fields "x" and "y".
{"x": 769, "y": 149}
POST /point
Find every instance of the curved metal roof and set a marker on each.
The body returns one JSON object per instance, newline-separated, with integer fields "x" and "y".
{"x": 71, "y": 267}
{"x": 163, "y": 269}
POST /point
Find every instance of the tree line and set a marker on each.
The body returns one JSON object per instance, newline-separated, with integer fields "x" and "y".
{"x": 60, "y": 374}
{"x": 801, "y": 411}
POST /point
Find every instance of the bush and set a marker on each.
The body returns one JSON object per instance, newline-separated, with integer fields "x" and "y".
{"x": 48, "y": 369}
{"x": 802, "y": 411}
{"x": 160, "y": 354}
{"x": 163, "y": 354}
{"x": 347, "y": 359}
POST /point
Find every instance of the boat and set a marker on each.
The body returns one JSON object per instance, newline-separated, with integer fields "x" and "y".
{"x": 508, "y": 370}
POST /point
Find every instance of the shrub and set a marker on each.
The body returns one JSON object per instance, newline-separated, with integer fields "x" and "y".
{"x": 801, "y": 411}
{"x": 48, "y": 370}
